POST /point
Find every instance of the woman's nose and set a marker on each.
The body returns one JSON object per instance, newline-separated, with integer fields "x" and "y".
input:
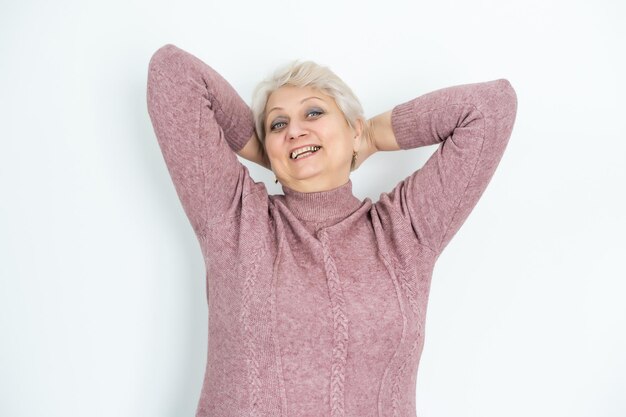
{"x": 295, "y": 130}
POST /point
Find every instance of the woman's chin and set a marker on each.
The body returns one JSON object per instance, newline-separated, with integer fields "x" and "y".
{"x": 306, "y": 169}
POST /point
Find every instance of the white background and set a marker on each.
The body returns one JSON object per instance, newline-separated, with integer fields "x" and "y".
{"x": 102, "y": 293}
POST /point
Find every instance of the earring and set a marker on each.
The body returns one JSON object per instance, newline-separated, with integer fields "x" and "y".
{"x": 354, "y": 153}
{"x": 276, "y": 180}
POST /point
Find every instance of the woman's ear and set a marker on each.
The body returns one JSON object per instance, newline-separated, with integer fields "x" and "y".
{"x": 359, "y": 133}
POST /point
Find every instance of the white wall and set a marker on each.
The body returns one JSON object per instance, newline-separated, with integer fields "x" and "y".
{"x": 102, "y": 296}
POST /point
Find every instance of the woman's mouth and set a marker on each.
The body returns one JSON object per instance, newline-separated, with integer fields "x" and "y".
{"x": 304, "y": 152}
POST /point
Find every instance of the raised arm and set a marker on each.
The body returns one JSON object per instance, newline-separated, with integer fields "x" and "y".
{"x": 200, "y": 123}
{"x": 473, "y": 124}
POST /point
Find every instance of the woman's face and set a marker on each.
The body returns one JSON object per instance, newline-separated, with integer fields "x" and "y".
{"x": 304, "y": 116}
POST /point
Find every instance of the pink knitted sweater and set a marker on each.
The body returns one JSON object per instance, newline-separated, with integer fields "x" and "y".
{"x": 317, "y": 301}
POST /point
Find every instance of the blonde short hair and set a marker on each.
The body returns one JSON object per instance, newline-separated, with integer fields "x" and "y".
{"x": 305, "y": 74}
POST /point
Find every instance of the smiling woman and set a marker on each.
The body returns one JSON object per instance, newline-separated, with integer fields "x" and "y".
{"x": 304, "y": 118}
{"x": 317, "y": 300}
{"x": 308, "y": 92}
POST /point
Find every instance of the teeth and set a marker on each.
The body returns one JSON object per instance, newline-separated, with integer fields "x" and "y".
{"x": 294, "y": 154}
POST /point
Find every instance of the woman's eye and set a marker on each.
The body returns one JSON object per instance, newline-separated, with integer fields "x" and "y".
{"x": 276, "y": 124}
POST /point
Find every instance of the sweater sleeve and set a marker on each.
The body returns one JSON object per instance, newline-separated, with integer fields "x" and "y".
{"x": 472, "y": 124}
{"x": 200, "y": 122}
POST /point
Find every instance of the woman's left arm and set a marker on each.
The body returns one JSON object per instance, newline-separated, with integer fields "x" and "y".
{"x": 472, "y": 124}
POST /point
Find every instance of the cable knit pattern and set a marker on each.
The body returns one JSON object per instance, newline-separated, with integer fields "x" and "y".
{"x": 395, "y": 387}
{"x": 254, "y": 380}
{"x": 340, "y": 343}
{"x": 410, "y": 295}
{"x": 406, "y": 284}
{"x": 317, "y": 301}
{"x": 397, "y": 401}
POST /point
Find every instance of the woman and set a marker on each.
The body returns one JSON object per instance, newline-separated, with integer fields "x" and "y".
{"x": 317, "y": 300}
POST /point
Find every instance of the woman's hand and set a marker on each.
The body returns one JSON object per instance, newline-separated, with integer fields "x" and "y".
{"x": 253, "y": 151}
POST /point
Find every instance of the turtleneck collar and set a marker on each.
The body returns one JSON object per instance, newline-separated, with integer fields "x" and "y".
{"x": 322, "y": 205}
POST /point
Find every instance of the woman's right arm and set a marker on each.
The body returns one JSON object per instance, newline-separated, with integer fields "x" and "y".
{"x": 200, "y": 123}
